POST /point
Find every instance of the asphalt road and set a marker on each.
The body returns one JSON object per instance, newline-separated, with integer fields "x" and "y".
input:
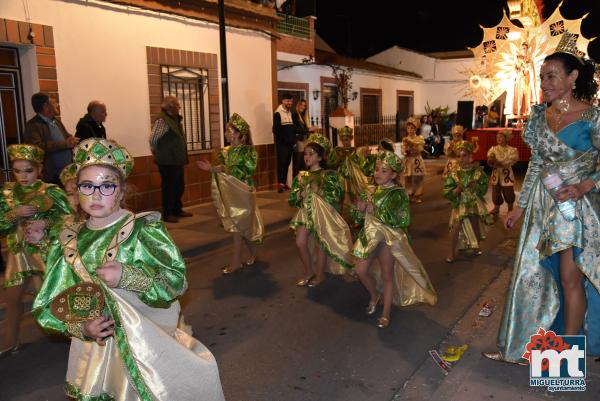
{"x": 275, "y": 341}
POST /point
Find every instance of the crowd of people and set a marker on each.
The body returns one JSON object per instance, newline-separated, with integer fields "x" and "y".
{"x": 111, "y": 278}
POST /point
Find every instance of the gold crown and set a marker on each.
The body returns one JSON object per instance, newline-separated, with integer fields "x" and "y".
{"x": 414, "y": 121}
{"x": 26, "y": 152}
{"x": 68, "y": 173}
{"x": 507, "y": 134}
{"x": 457, "y": 129}
{"x": 103, "y": 152}
{"x": 568, "y": 45}
{"x": 345, "y": 131}
{"x": 391, "y": 159}
{"x": 464, "y": 145}
{"x": 240, "y": 124}
{"x": 320, "y": 140}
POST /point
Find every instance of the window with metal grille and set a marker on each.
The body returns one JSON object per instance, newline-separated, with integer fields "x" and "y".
{"x": 190, "y": 86}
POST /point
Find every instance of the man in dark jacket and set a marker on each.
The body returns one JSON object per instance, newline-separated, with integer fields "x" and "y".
{"x": 285, "y": 139}
{"x": 168, "y": 145}
{"x": 45, "y": 131}
{"x": 90, "y": 125}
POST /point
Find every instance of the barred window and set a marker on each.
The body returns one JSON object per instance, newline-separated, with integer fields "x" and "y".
{"x": 190, "y": 86}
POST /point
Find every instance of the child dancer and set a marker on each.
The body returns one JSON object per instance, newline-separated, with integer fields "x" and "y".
{"x": 450, "y": 151}
{"x": 28, "y": 206}
{"x": 386, "y": 217}
{"x": 233, "y": 191}
{"x": 415, "y": 166}
{"x": 465, "y": 186}
{"x": 68, "y": 179}
{"x": 318, "y": 193}
{"x": 349, "y": 164}
{"x": 501, "y": 158}
{"x": 112, "y": 286}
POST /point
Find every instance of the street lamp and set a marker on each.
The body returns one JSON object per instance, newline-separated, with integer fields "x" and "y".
{"x": 316, "y": 94}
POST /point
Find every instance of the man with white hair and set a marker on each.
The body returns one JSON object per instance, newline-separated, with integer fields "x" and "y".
{"x": 91, "y": 124}
{"x": 168, "y": 145}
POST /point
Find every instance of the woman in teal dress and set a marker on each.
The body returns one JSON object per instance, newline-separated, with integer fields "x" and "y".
{"x": 556, "y": 276}
{"x": 400, "y": 274}
{"x": 112, "y": 285}
{"x": 321, "y": 231}
{"x": 234, "y": 194}
{"x": 28, "y": 206}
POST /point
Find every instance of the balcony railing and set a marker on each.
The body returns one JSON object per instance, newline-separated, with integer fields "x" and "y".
{"x": 294, "y": 26}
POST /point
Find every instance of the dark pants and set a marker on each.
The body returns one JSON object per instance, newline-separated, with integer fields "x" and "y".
{"x": 172, "y": 186}
{"x": 284, "y": 158}
{"x": 501, "y": 194}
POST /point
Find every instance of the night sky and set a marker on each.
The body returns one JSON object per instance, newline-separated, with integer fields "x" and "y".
{"x": 363, "y": 28}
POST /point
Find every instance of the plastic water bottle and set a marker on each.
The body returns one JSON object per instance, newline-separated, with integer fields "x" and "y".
{"x": 553, "y": 182}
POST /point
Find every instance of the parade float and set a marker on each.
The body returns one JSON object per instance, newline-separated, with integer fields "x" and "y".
{"x": 507, "y": 65}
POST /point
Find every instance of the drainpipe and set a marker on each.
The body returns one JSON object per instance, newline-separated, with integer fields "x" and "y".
{"x": 223, "y": 51}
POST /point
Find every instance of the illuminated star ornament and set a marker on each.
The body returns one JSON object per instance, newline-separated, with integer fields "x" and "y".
{"x": 510, "y": 56}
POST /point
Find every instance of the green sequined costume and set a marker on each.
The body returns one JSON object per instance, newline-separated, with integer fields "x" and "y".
{"x": 148, "y": 358}
{"x": 26, "y": 260}
{"x": 388, "y": 223}
{"x": 319, "y": 213}
{"x": 470, "y": 202}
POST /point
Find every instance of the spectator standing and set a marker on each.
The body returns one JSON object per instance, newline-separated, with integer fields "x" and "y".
{"x": 168, "y": 146}
{"x": 49, "y": 134}
{"x": 285, "y": 140}
{"x": 91, "y": 124}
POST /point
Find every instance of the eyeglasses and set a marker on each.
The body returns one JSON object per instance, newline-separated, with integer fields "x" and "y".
{"x": 89, "y": 189}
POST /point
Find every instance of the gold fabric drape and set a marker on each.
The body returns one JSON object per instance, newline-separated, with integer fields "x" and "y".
{"x": 329, "y": 229}
{"x": 235, "y": 202}
{"x": 411, "y": 281}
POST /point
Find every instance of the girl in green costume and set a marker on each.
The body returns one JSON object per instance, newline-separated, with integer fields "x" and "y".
{"x": 318, "y": 194}
{"x": 386, "y": 216}
{"x": 125, "y": 344}
{"x": 465, "y": 186}
{"x": 28, "y": 206}
{"x": 234, "y": 194}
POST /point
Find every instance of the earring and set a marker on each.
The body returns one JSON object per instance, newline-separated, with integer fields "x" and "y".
{"x": 574, "y": 86}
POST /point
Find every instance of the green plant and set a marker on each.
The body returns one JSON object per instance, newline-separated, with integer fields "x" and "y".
{"x": 442, "y": 112}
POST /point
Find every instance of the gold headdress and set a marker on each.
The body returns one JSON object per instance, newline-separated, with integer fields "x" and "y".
{"x": 346, "y": 132}
{"x": 68, "y": 173}
{"x": 103, "y": 152}
{"x": 320, "y": 140}
{"x": 507, "y": 134}
{"x": 240, "y": 124}
{"x": 414, "y": 121}
{"x": 457, "y": 128}
{"x": 464, "y": 145}
{"x": 391, "y": 159}
{"x": 26, "y": 152}
{"x": 568, "y": 45}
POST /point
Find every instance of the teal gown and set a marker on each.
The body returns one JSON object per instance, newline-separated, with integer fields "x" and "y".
{"x": 535, "y": 297}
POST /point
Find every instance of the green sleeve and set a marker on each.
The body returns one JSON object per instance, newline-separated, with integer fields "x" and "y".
{"x": 450, "y": 185}
{"x": 335, "y": 158}
{"x": 481, "y": 185}
{"x": 243, "y": 164}
{"x": 60, "y": 207}
{"x": 331, "y": 189}
{"x": 394, "y": 210}
{"x": 368, "y": 165}
{"x": 59, "y": 276}
{"x": 294, "y": 198}
{"x": 220, "y": 159}
{"x": 160, "y": 266}
{"x": 8, "y": 218}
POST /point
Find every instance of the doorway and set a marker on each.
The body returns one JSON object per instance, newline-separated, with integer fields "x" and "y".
{"x": 12, "y": 120}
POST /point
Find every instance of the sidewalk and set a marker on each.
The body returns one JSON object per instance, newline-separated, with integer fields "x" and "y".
{"x": 475, "y": 378}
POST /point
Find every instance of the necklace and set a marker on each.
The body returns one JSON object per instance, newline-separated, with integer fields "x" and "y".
{"x": 561, "y": 107}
